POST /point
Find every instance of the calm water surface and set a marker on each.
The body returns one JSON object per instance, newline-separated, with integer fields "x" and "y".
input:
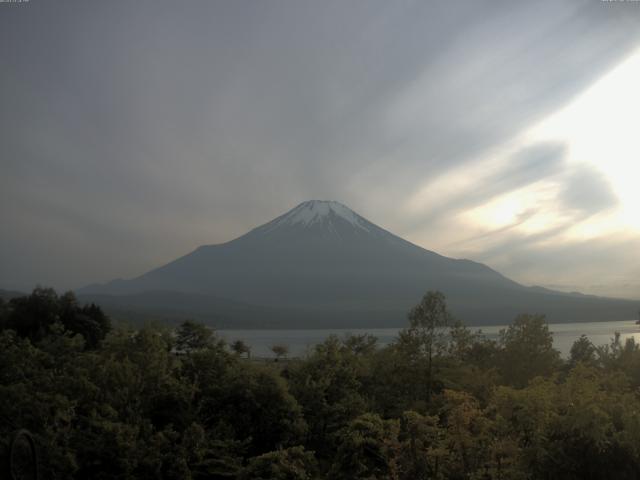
{"x": 302, "y": 341}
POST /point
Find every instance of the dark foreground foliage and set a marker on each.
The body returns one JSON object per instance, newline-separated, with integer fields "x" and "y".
{"x": 439, "y": 403}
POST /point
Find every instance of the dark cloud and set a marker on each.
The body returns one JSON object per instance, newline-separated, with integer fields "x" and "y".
{"x": 588, "y": 190}
{"x": 131, "y": 132}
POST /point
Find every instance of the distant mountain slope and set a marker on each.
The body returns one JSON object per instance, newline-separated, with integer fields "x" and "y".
{"x": 9, "y": 294}
{"x": 323, "y": 264}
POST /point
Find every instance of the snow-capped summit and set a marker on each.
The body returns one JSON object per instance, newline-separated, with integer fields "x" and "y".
{"x": 316, "y": 211}
{"x": 320, "y": 219}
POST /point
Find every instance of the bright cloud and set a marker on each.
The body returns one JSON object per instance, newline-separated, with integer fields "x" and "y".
{"x": 592, "y": 197}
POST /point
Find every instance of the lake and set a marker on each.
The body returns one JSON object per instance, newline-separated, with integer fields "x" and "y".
{"x": 302, "y": 341}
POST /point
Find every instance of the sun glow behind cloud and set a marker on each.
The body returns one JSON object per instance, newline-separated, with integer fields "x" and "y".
{"x": 523, "y": 209}
{"x": 602, "y": 128}
{"x": 488, "y": 211}
{"x": 601, "y": 132}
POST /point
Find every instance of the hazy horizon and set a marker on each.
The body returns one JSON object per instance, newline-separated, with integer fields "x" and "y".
{"x": 501, "y": 132}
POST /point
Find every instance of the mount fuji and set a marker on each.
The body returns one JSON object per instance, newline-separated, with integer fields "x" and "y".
{"x": 323, "y": 265}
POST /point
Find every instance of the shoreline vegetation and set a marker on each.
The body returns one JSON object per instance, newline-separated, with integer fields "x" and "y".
{"x": 440, "y": 402}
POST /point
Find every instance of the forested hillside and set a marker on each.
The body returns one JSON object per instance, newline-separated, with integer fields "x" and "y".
{"x": 441, "y": 402}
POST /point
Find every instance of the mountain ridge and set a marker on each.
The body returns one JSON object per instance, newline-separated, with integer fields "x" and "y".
{"x": 321, "y": 256}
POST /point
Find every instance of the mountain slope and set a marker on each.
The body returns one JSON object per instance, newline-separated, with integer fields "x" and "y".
{"x": 323, "y": 261}
{"x": 9, "y": 294}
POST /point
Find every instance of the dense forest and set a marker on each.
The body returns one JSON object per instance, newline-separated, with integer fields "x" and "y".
{"x": 441, "y": 402}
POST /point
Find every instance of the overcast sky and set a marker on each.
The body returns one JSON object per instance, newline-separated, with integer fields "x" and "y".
{"x": 132, "y": 132}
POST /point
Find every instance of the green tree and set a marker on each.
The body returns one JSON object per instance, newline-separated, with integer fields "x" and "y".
{"x": 35, "y": 394}
{"x": 527, "y": 350}
{"x": 89, "y": 320}
{"x": 470, "y": 364}
{"x": 280, "y": 351}
{"x": 468, "y": 435}
{"x": 471, "y": 347}
{"x": 367, "y": 449}
{"x": 287, "y": 464}
{"x": 33, "y": 315}
{"x": 39, "y": 314}
{"x": 422, "y": 447}
{"x": 192, "y": 336}
{"x": 4, "y": 313}
{"x": 360, "y": 344}
{"x": 328, "y": 386}
{"x": 240, "y": 348}
{"x": 426, "y": 331}
{"x": 583, "y": 351}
